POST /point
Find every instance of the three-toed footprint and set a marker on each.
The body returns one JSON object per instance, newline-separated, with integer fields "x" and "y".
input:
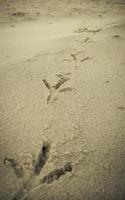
{"x": 53, "y": 89}
{"x": 29, "y": 170}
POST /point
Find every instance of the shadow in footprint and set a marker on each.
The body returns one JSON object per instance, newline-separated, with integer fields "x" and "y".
{"x": 68, "y": 89}
{"x": 42, "y": 158}
{"x": 121, "y": 107}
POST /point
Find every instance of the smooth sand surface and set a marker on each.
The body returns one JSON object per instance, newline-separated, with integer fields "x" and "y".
{"x": 84, "y": 122}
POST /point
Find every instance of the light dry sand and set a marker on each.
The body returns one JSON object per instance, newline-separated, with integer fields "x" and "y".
{"x": 85, "y": 120}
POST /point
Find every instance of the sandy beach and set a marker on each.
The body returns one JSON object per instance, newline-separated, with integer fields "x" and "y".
{"x": 62, "y": 100}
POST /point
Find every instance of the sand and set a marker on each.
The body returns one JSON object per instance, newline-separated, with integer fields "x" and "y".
{"x": 80, "y": 122}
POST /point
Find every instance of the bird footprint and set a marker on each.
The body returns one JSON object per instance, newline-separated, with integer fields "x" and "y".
{"x": 53, "y": 88}
{"x": 33, "y": 167}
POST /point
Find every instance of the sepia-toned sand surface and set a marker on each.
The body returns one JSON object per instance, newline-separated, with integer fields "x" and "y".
{"x": 81, "y": 43}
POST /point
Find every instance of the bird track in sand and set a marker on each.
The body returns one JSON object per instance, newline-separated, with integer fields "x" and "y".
{"x": 34, "y": 168}
{"x": 52, "y": 88}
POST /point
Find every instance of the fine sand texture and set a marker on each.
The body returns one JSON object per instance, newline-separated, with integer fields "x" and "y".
{"x": 62, "y": 100}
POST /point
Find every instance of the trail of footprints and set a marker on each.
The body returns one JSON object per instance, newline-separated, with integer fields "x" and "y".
{"x": 62, "y": 78}
{"x": 34, "y": 167}
{"x": 34, "y": 170}
{"x": 29, "y": 170}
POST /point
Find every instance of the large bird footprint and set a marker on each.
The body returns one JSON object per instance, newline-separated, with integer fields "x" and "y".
{"x": 34, "y": 166}
{"x": 30, "y": 170}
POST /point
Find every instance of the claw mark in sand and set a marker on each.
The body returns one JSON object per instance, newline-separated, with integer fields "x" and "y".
{"x": 42, "y": 158}
{"x": 68, "y": 89}
{"x": 81, "y": 30}
{"x": 73, "y": 56}
{"x": 94, "y": 31}
{"x": 86, "y": 40}
{"x": 56, "y": 174}
{"x": 86, "y": 58}
{"x": 62, "y": 79}
{"x": 18, "y": 170}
